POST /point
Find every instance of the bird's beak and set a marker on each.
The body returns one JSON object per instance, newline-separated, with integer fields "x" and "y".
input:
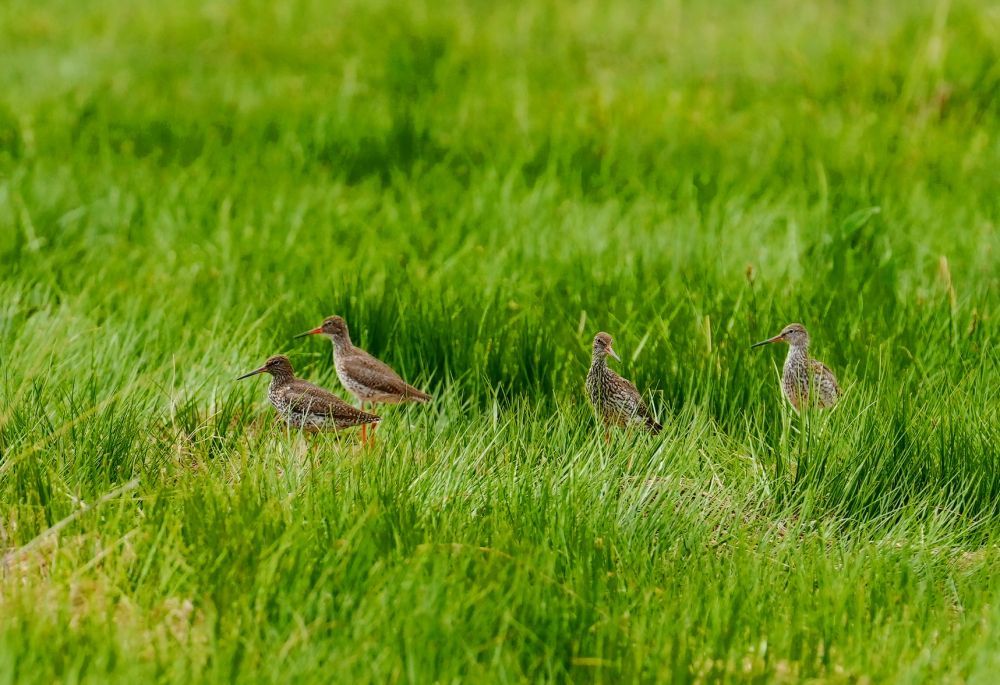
{"x": 614, "y": 354}
{"x": 252, "y": 373}
{"x": 315, "y": 331}
{"x": 775, "y": 339}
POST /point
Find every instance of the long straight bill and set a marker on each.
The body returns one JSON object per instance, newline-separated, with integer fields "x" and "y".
{"x": 775, "y": 339}
{"x": 252, "y": 373}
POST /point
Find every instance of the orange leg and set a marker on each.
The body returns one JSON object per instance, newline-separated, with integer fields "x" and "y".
{"x": 607, "y": 436}
{"x": 364, "y": 426}
{"x": 371, "y": 440}
{"x": 374, "y": 425}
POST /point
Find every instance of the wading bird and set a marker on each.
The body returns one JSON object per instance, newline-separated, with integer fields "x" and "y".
{"x": 307, "y": 406}
{"x": 361, "y": 374}
{"x": 804, "y": 381}
{"x": 616, "y": 400}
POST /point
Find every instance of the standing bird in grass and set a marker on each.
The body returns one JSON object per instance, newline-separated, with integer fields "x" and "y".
{"x": 616, "y": 400}
{"x": 307, "y": 406}
{"x": 804, "y": 381}
{"x": 364, "y": 376}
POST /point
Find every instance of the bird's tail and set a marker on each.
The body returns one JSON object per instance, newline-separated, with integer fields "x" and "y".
{"x": 417, "y": 395}
{"x": 653, "y": 426}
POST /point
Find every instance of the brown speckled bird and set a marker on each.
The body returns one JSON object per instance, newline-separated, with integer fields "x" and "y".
{"x": 307, "y": 406}
{"x": 617, "y": 401}
{"x": 804, "y": 381}
{"x": 361, "y": 374}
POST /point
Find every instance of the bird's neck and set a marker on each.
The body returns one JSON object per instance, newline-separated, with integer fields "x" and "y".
{"x": 797, "y": 354}
{"x": 341, "y": 343}
{"x": 598, "y": 363}
{"x": 281, "y": 378}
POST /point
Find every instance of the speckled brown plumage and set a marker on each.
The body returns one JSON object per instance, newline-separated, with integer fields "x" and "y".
{"x": 304, "y": 405}
{"x": 804, "y": 381}
{"x": 616, "y": 400}
{"x": 364, "y": 376}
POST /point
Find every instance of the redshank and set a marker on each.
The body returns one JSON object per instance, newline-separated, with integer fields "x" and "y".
{"x": 307, "y": 406}
{"x": 616, "y": 400}
{"x": 364, "y": 376}
{"x": 804, "y": 381}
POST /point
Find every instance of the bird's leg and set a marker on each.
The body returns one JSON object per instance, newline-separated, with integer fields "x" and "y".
{"x": 371, "y": 440}
{"x": 607, "y": 436}
{"x": 364, "y": 426}
{"x": 364, "y": 431}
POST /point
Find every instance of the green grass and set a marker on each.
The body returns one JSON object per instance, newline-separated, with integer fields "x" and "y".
{"x": 478, "y": 189}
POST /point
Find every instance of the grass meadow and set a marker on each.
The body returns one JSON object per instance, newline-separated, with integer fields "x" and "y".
{"x": 478, "y": 188}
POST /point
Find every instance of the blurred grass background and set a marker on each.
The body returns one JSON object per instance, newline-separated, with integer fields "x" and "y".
{"x": 478, "y": 189}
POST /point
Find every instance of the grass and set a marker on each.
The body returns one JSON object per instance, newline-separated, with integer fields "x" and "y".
{"x": 478, "y": 189}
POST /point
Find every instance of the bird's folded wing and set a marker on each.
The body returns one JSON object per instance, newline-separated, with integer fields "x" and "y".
{"x": 821, "y": 368}
{"x": 310, "y": 399}
{"x": 641, "y": 409}
{"x": 376, "y": 374}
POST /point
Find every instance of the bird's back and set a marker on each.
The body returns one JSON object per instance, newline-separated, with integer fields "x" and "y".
{"x": 807, "y": 381}
{"x": 305, "y": 404}
{"x": 824, "y": 384}
{"x": 372, "y": 379}
{"x": 617, "y": 400}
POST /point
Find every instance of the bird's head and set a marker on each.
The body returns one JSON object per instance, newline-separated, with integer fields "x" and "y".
{"x": 794, "y": 334}
{"x": 334, "y": 327}
{"x": 278, "y": 366}
{"x": 602, "y": 346}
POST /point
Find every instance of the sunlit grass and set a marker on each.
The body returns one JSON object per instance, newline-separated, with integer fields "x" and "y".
{"x": 478, "y": 189}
